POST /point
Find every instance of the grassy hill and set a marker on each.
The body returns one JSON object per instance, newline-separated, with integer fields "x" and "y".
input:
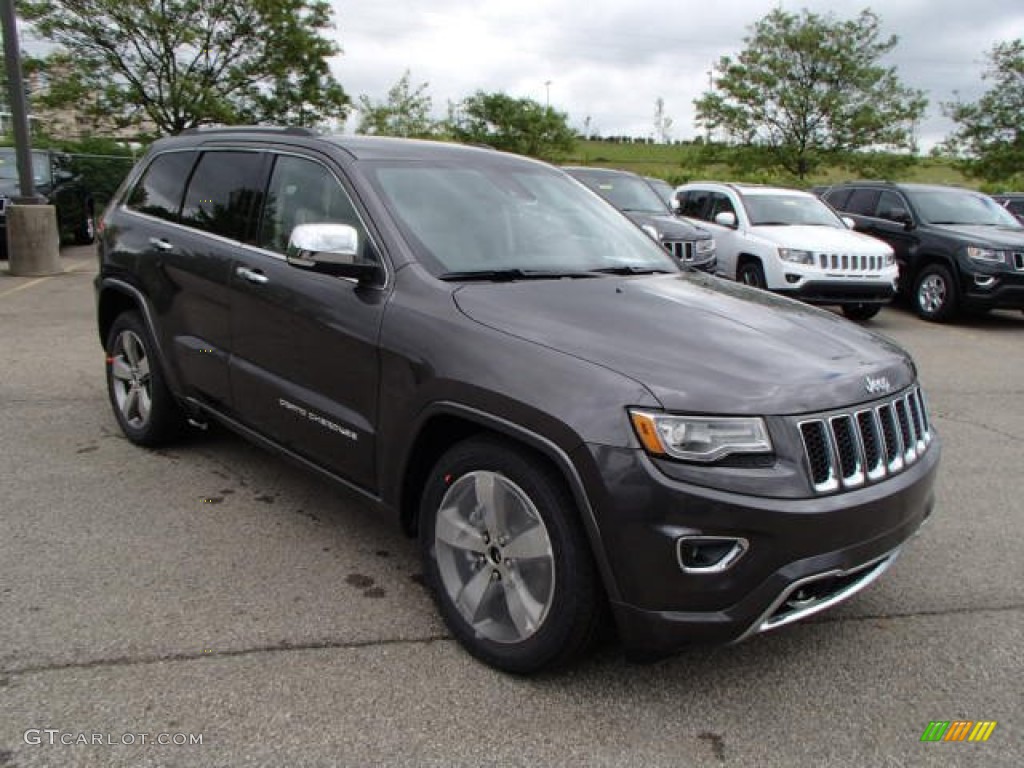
{"x": 678, "y": 163}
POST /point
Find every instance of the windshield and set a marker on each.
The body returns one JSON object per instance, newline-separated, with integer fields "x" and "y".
{"x": 40, "y": 166}
{"x": 789, "y": 210}
{"x": 625, "y": 192}
{"x": 960, "y": 206}
{"x": 507, "y": 214}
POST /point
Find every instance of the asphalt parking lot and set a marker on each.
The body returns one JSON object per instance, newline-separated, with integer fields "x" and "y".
{"x": 212, "y": 590}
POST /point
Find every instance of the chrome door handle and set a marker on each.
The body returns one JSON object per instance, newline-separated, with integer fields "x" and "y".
{"x": 252, "y": 275}
{"x": 161, "y": 245}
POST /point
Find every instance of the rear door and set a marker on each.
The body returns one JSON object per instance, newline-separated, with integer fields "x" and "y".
{"x": 195, "y": 213}
{"x": 305, "y": 368}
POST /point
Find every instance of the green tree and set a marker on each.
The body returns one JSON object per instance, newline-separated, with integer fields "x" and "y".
{"x": 990, "y": 136}
{"x": 182, "y": 63}
{"x": 406, "y": 112}
{"x": 810, "y": 88}
{"x": 523, "y": 126}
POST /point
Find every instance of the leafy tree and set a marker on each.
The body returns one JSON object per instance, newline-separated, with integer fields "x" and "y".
{"x": 182, "y": 63}
{"x": 809, "y": 88}
{"x": 405, "y": 113}
{"x": 991, "y": 130}
{"x": 523, "y": 126}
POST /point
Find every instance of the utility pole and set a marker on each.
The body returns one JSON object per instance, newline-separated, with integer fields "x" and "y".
{"x": 547, "y": 94}
{"x": 33, "y": 244}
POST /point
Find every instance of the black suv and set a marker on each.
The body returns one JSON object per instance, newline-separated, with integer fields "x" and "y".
{"x": 956, "y": 248}
{"x": 479, "y": 346}
{"x": 59, "y": 184}
{"x": 635, "y": 197}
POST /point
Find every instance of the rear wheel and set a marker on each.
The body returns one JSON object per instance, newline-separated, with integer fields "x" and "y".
{"x": 145, "y": 409}
{"x": 935, "y": 296}
{"x": 752, "y": 273}
{"x": 861, "y": 312}
{"x": 506, "y": 558}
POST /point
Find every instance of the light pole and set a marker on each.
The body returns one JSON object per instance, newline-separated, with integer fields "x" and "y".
{"x": 33, "y": 244}
{"x": 547, "y": 94}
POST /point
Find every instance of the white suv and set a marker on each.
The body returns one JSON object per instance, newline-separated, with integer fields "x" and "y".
{"x": 792, "y": 243}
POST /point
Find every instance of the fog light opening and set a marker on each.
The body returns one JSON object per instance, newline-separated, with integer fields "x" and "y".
{"x": 984, "y": 281}
{"x": 709, "y": 554}
{"x": 791, "y": 279}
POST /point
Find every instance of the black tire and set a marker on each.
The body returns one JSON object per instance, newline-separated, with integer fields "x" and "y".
{"x": 751, "y": 273}
{"x": 935, "y": 294}
{"x": 529, "y": 586}
{"x": 144, "y": 408}
{"x": 861, "y": 312}
{"x": 85, "y": 232}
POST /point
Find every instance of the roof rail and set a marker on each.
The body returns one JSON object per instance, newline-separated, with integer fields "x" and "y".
{"x": 288, "y": 130}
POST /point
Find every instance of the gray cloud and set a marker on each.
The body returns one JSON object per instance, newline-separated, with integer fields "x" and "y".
{"x": 612, "y": 60}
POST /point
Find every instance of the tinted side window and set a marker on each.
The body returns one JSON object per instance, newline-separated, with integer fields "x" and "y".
{"x": 159, "y": 191}
{"x": 862, "y": 202}
{"x": 302, "y": 192}
{"x": 694, "y": 204}
{"x": 223, "y": 192}
{"x": 838, "y": 198}
{"x": 720, "y": 204}
{"x": 893, "y": 207}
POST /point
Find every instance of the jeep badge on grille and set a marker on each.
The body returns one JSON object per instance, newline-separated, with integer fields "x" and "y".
{"x": 876, "y": 386}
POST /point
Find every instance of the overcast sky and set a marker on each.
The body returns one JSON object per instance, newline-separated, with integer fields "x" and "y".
{"x": 610, "y": 60}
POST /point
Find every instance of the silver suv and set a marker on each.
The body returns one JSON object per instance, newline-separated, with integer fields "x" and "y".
{"x": 790, "y": 242}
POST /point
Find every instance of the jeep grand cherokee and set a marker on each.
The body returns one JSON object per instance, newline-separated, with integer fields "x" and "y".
{"x": 566, "y": 418}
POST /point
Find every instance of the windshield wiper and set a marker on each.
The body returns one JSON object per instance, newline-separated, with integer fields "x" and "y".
{"x": 630, "y": 269}
{"x": 505, "y": 275}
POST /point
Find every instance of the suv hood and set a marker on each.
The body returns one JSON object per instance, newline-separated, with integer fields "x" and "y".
{"x": 982, "y": 235}
{"x": 669, "y": 227}
{"x": 823, "y": 239}
{"x": 699, "y": 344}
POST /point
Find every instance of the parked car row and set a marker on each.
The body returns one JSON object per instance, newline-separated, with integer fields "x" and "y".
{"x": 943, "y": 248}
{"x": 59, "y": 185}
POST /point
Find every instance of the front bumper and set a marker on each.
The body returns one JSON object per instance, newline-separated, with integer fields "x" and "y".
{"x": 828, "y": 292}
{"x": 994, "y": 289}
{"x": 804, "y": 555}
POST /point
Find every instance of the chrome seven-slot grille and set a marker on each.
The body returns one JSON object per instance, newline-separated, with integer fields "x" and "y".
{"x": 849, "y": 450}
{"x": 851, "y": 261}
{"x": 681, "y": 249}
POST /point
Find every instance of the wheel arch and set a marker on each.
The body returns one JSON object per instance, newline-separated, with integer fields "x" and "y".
{"x": 444, "y": 424}
{"x": 116, "y": 297}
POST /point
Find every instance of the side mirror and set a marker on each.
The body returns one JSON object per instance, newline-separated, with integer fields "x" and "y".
{"x": 850, "y": 223}
{"x": 332, "y": 249}
{"x": 677, "y": 206}
{"x": 726, "y": 219}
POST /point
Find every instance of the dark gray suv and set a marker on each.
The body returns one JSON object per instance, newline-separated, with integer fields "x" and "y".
{"x": 573, "y": 425}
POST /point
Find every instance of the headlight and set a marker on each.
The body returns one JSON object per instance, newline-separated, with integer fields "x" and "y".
{"x": 651, "y": 232}
{"x": 985, "y": 255}
{"x": 797, "y": 257}
{"x": 704, "y": 247}
{"x": 700, "y": 438}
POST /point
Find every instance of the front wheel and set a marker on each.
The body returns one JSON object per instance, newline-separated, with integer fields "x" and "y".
{"x": 506, "y": 559}
{"x": 861, "y": 312}
{"x": 935, "y": 297}
{"x": 752, "y": 273}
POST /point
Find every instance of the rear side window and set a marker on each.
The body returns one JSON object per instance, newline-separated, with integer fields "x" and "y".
{"x": 225, "y": 190}
{"x": 158, "y": 192}
{"x": 837, "y": 198}
{"x": 862, "y": 202}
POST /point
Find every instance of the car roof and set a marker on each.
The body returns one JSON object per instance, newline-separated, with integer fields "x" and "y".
{"x": 591, "y": 171}
{"x": 357, "y": 147}
{"x": 747, "y": 189}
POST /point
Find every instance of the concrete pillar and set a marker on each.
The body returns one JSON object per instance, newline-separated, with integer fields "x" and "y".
{"x": 33, "y": 244}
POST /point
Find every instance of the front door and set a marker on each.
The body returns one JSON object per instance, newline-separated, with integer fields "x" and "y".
{"x": 305, "y": 362}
